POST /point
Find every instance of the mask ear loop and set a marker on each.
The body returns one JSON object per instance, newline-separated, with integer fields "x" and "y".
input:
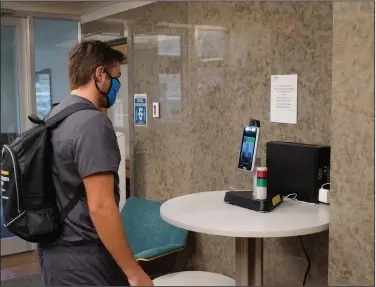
{"x": 96, "y": 85}
{"x": 104, "y": 94}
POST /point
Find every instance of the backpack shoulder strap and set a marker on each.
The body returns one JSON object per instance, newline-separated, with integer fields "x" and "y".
{"x": 51, "y": 123}
{"x": 72, "y": 202}
{"x": 60, "y": 116}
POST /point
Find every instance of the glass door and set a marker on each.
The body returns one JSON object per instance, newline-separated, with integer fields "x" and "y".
{"x": 13, "y": 105}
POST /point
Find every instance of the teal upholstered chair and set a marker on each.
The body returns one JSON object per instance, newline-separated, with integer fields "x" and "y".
{"x": 151, "y": 239}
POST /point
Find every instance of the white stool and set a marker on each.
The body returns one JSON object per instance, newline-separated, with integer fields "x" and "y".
{"x": 194, "y": 278}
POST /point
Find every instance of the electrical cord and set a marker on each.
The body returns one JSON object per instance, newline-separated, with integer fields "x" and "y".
{"x": 308, "y": 261}
{"x": 293, "y": 196}
{"x": 328, "y": 183}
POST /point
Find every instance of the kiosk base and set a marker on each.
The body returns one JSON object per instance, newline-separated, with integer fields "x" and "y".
{"x": 245, "y": 199}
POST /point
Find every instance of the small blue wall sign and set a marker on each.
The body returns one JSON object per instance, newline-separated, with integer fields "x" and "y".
{"x": 140, "y": 110}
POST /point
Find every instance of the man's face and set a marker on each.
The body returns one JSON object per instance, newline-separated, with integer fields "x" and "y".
{"x": 103, "y": 76}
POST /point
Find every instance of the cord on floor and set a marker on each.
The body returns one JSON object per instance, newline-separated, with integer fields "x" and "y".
{"x": 308, "y": 261}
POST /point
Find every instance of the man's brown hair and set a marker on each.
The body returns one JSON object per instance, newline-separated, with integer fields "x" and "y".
{"x": 86, "y": 57}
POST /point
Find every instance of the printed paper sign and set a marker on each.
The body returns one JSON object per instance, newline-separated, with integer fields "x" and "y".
{"x": 283, "y": 99}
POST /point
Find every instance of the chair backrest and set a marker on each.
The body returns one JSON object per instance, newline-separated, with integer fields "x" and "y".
{"x": 146, "y": 229}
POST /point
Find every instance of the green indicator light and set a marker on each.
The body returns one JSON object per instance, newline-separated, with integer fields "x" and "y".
{"x": 261, "y": 182}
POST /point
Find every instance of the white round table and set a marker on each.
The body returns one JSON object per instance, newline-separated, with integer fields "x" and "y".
{"x": 206, "y": 212}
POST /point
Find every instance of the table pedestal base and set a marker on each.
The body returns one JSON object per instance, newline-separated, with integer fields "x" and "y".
{"x": 249, "y": 261}
{"x": 194, "y": 278}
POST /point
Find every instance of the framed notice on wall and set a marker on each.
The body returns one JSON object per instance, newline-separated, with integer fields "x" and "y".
{"x": 43, "y": 92}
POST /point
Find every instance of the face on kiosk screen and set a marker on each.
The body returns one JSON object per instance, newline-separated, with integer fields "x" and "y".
{"x": 247, "y": 155}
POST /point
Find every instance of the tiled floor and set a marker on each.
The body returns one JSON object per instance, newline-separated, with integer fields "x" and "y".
{"x": 19, "y": 265}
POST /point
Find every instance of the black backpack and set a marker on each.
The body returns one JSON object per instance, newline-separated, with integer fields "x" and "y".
{"x": 28, "y": 194}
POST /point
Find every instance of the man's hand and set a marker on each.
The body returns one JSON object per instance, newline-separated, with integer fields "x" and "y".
{"x": 140, "y": 278}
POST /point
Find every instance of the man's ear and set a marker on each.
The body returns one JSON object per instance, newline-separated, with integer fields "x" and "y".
{"x": 99, "y": 73}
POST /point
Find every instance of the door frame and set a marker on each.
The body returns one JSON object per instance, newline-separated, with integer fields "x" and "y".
{"x": 121, "y": 45}
{"x": 13, "y": 245}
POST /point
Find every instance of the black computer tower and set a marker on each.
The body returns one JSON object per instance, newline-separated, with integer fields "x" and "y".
{"x": 297, "y": 168}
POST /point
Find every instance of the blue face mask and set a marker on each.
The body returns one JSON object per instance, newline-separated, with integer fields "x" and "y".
{"x": 112, "y": 92}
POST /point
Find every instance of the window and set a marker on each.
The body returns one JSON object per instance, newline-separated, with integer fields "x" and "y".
{"x": 53, "y": 40}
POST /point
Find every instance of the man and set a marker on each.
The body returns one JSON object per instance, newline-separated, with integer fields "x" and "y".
{"x": 92, "y": 249}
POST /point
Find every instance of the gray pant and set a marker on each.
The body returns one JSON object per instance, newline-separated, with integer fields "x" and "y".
{"x": 83, "y": 265}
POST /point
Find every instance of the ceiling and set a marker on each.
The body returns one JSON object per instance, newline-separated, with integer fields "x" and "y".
{"x": 59, "y": 7}
{"x": 85, "y": 11}
{"x": 60, "y": 33}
